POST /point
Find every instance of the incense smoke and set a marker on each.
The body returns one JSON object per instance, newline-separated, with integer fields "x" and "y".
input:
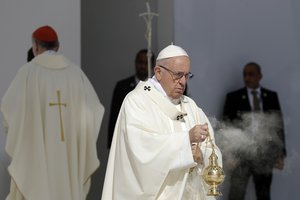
{"x": 255, "y": 137}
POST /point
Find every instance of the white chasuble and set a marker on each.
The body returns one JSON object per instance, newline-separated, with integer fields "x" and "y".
{"x": 53, "y": 116}
{"x": 151, "y": 155}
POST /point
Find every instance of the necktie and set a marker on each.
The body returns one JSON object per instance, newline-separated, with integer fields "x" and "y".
{"x": 255, "y": 100}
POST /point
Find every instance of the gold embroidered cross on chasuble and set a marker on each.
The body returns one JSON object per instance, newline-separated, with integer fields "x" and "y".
{"x": 59, "y": 104}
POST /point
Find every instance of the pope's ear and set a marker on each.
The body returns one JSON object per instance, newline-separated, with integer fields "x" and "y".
{"x": 157, "y": 72}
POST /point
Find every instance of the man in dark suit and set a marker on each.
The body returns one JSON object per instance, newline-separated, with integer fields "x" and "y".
{"x": 123, "y": 87}
{"x": 243, "y": 108}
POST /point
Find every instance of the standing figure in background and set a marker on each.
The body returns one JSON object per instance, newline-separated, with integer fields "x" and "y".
{"x": 159, "y": 147}
{"x": 256, "y": 111}
{"x": 30, "y": 55}
{"x": 123, "y": 87}
{"x": 53, "y": 116}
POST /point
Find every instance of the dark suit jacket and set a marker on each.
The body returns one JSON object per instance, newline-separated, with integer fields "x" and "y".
{"x": 122, "y": 88}
{"x": 237, "y": 104}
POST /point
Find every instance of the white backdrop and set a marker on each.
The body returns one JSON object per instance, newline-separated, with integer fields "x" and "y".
{"x": 18, "y": 18}
{"x": 223, "y": 35}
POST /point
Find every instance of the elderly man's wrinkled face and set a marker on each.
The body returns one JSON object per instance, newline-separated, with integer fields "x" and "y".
{"x": 173, "y": 74}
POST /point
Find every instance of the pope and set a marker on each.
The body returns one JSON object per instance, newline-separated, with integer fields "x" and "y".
{"x": 154, "y": 152}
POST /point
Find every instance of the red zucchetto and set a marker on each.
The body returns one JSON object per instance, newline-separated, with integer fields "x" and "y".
{"x": 45, "y": 34}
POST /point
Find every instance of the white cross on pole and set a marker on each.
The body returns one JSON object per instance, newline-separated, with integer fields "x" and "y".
{"x": 148, "y": 16}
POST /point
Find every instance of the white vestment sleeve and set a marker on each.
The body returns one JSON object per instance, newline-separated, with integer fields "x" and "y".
{"x": 185, "y": 157}
{"x": 143, "y": 136}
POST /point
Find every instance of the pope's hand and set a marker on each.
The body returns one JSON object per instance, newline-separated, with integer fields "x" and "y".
{"x": 197, "y": 154}
{"x": 198, "y": 133}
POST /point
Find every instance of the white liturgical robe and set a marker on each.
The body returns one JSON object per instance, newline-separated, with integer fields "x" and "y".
{"x": 53, "y": 117}
{"x": 150, "y": 156}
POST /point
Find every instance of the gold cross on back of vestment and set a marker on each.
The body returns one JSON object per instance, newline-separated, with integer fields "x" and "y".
{"x": 59, "y": 104}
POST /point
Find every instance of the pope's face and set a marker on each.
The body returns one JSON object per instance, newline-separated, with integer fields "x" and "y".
{"x": 167, "y": 75}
